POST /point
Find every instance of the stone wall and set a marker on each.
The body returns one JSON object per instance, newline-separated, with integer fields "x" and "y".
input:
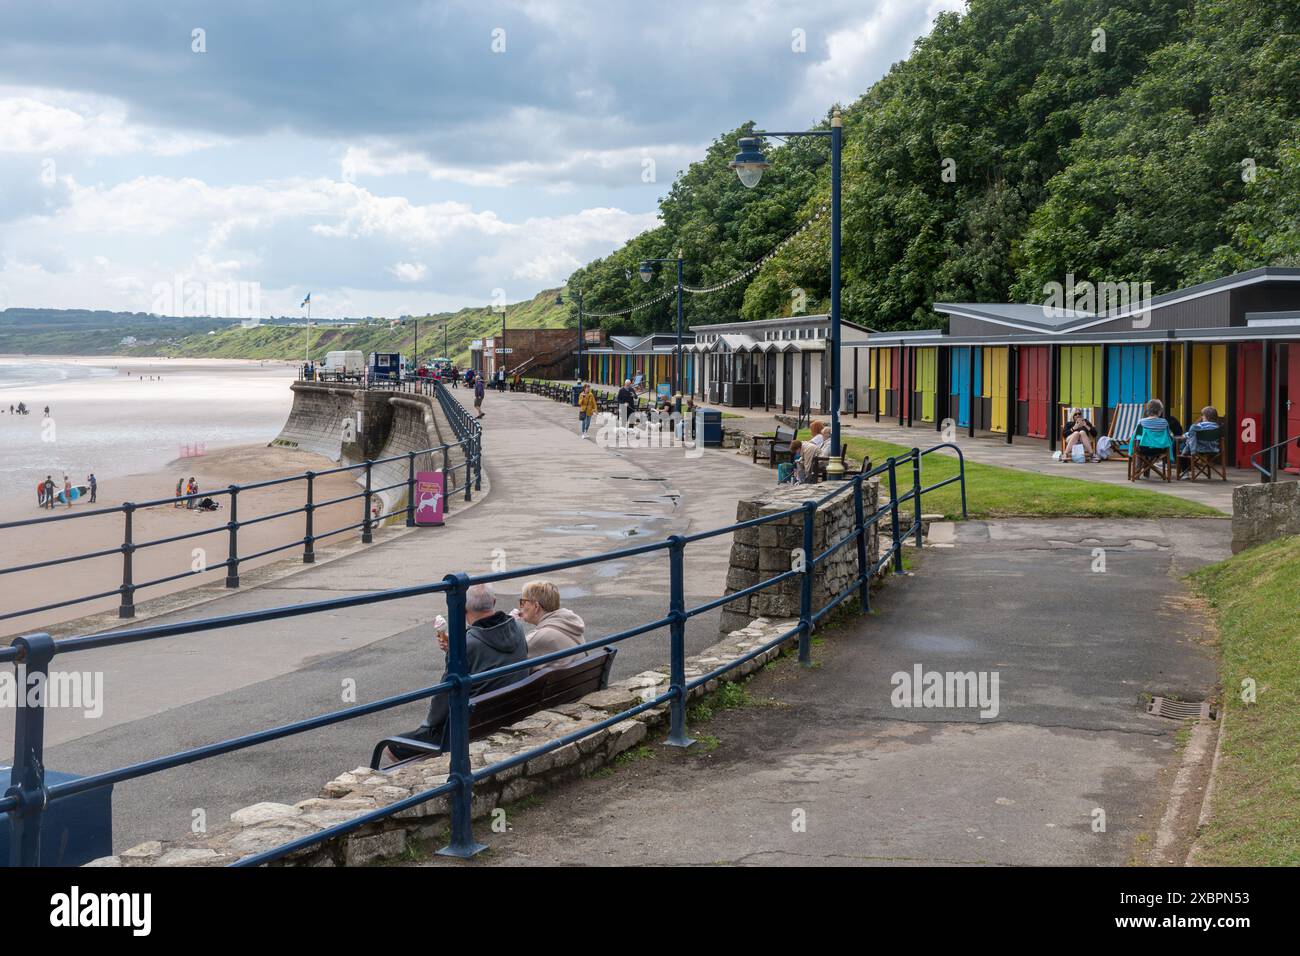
{"x": 760, "y": 552}
{"x": 316, "y": 420}
{"x": 1263, "y": 512}
{"x": 264, "y": 826}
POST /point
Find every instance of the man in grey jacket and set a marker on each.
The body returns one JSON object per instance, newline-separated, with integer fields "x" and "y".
{"x": 492, "y": 639}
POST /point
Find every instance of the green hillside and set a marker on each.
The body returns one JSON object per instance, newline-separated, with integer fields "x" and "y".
{"x": 377, "y": 335}
{"x": 1118, "y": 140}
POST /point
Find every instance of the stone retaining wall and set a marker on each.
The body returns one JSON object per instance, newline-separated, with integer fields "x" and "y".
{"x": 760, "y": 552}
{"x": 1263, "y": 512}
{"x": 264, "y": 826}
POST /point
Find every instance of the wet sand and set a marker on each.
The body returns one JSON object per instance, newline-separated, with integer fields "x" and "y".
{"x": 128, "y": 420}
{"x": 64, "y": 538}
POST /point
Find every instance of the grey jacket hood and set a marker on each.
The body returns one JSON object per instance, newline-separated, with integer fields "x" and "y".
{"x": 500, "y": 631}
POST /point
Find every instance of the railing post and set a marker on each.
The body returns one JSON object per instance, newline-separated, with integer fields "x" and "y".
{"x": 677, "y": 642}
{"x": 366, "y": 536}
{"x": 916, "y": 491}
{"x": 805, "y": 591}
{"x": 410, "y": 489}
{"x": 478, "y": 459}
{"x": 462, "y": 799}
{"x": 864, "y": 572}
{"x": 309, "y": 537}
{"x": 232, "y": 560}
{"x": 27, "y": 779}
{"x": 467, "y": 450}
{"x": 127, "y": 606}
{"x": 897, "y": 544}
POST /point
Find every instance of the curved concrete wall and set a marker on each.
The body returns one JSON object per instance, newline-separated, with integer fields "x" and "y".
{"x": 348, "y": 425}
{"x": 316, "y": 420}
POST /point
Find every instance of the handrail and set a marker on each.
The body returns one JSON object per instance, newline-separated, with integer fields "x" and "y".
{"x": 468, "y": 442}
{"x": 29, "y": 796}
{"x": 1270, "y": 473}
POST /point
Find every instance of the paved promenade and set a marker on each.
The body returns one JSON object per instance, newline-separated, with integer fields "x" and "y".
{"x": 822, "y": 769}
{"x": 553, "y": 497}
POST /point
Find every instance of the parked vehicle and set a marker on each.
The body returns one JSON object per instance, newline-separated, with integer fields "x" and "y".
{"x": 343, "y": 366}
{"x": 386, "y": 366}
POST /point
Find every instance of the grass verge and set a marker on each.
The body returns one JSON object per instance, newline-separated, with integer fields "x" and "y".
{"x": 996, "y": 492}
{"x": 1256, "y": 798}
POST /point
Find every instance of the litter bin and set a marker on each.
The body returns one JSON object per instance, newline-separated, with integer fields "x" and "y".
{"x": 712, "y": 427}
{"x": 74, "y": 830}
{"x": 577, "y": 390}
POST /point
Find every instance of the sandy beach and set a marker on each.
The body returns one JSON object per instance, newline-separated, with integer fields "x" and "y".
{"x": 125, "y": 427}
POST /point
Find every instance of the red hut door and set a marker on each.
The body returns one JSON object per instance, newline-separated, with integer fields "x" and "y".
{"x": 1292, "y": 404}
{"x": 1032, "y": 387}
{"x": 1250, "y": 403}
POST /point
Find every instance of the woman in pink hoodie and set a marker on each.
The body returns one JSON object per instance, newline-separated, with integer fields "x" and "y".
{"x": 555, "y": 628}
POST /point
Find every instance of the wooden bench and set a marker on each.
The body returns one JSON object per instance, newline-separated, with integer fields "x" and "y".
{"x": 562, "y": 682}
{"x": 779, "y": 444}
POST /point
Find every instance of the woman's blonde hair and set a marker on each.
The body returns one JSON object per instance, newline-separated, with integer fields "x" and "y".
{"x": 546, "y": 594}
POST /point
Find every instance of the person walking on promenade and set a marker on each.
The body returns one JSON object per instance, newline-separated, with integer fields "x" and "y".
{"x": 478, "y": 395}
{"x": 94, "y": 487}
{"x": 586, "y": 409}
{"x": 626, "y": 402}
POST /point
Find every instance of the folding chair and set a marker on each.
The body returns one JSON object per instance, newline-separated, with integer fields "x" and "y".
{"x": 1208, "y": 463}
{"x": 1156, "y": 455}
{"x": 1123, "y": 424}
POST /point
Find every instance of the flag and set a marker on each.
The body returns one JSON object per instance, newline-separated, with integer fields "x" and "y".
{"x": 305, "y": 301}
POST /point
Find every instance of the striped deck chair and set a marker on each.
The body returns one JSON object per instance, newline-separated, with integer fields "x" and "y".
{"x": 1066, "y": 415}
{"x": 1123, "y": 423}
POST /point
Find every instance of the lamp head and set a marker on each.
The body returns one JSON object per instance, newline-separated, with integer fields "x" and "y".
{"x": 750, "y": 163}
{"x": 647, "y": 271}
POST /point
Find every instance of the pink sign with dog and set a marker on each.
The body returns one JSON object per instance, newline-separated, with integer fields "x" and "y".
{"x": 429, "y": 493}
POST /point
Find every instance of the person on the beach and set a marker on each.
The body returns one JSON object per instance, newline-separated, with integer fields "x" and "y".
{"x": 180, "y": 490}
{"x": 40, "y": 493}
{"x": 49, "y": 491}
{"x": 191, "y": 489}
{"x": 67, "y": 491}
{"x": 94, "y": 487}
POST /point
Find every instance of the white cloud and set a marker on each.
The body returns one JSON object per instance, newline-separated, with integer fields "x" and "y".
{"x": 55, "y": 122}
{"x": 409, "y": 271}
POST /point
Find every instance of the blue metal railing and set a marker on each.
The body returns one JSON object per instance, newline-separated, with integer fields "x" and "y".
{"x": 29, "y": 795}
{"x": 467, "y": 439}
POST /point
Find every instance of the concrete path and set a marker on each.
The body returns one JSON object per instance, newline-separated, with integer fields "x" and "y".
{"x": 824, "y": 769}
{"x": 553, "y": 497}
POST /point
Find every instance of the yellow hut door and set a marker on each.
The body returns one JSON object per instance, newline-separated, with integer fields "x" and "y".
{"x": 995, "y": 387}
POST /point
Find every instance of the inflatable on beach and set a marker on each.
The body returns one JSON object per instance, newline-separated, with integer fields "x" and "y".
{"x": 78, "y": 491}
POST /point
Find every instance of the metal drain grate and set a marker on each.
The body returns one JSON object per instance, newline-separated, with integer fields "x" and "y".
{"x": 1180, "y": 709}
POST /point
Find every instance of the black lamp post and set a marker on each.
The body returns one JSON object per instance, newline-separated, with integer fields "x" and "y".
{"x": 749, "y": 165}
{"x": 647, "y": 273}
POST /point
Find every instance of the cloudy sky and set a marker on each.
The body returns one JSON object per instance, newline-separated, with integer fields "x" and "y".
{"x": 389, "y": 157}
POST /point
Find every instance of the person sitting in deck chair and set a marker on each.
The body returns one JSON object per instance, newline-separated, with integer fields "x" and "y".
{"x": 1079, "y": 431}
{"x": 1202, "y": 438}
{"x": 1153, "y": 438}
{"x": 492, "y": 639}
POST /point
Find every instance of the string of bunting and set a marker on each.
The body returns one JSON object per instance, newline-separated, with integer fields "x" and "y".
{"x": 732, "y": 280}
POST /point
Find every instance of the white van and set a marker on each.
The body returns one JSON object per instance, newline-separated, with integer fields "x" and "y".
{"x": 343, "y": 366}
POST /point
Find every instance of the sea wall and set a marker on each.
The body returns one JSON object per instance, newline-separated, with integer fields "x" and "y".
{"x": 349, "y": 425}
{"x": 1263, "y": 512}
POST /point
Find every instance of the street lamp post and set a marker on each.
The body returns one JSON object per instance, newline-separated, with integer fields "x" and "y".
{"x": 416, "y": 321}
{"x": 749, "y": 165}
{"x": 577, "y": 297}
{"x": 647, "y": 273}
